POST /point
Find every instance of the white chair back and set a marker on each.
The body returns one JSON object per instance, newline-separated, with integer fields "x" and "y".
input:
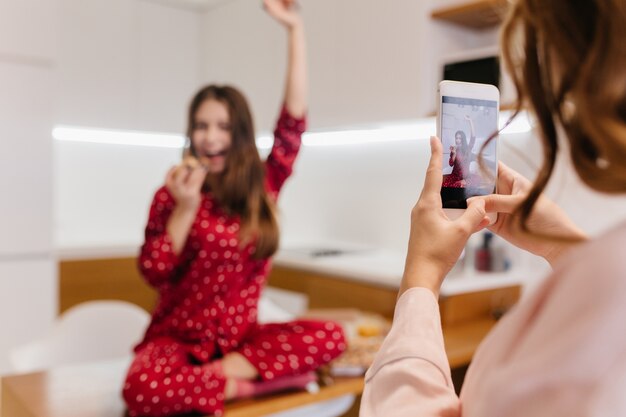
{"x": 91, "y": 331}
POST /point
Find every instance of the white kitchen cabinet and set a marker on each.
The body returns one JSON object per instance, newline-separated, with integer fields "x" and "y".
{"x": 28, "y": 278}
{"x": 26, "y": 159}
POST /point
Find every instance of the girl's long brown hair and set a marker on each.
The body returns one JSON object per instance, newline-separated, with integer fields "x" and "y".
{"x": 240, "y": 188}
{"x": 568, "y": 63}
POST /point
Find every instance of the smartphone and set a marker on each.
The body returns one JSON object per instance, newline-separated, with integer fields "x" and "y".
{"x": 467, "y": 117}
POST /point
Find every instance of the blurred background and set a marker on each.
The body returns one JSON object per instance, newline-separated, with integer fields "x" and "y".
{"x": 129, "y": 67}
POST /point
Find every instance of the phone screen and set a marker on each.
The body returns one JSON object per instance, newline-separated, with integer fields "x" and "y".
{"x": 466, "y": 124}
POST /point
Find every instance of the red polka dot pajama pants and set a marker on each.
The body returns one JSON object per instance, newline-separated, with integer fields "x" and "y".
{"x": 166, "y": 379}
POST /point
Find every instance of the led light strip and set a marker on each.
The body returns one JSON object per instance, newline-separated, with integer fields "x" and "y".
{"x": 382, "y": 133}
{"x": 117, "y": 137}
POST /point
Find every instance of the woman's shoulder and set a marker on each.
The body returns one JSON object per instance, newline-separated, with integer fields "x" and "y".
{"x": 573, "y": 321}
{"x": 566, "y": 336}
{"x": 603, "y": 255}
{"x": 592, "y": 277}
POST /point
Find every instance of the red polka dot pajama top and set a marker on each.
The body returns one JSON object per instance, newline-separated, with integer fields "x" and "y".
{"x": 208, "y": 297}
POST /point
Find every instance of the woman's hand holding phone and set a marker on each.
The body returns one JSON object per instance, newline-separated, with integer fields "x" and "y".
{"x": 546, "y": 218}
{"x": 435, "y": 241}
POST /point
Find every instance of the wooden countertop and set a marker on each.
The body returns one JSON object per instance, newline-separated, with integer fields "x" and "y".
{"x": 462, "y": 340}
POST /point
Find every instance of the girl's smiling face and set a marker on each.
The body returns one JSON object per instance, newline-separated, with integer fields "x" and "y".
{"x": 211, "y": 136}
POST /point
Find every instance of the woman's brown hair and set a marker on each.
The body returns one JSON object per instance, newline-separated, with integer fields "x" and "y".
{"x": 241, "y": 186}
{"x": 568, "y": 62}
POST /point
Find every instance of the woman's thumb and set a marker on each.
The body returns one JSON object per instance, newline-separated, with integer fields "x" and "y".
{"x": 473, "y": 216}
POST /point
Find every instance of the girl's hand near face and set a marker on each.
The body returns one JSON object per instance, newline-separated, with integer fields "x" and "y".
{"x": 184, "y": 182}
{"x": 435, "y": 241}
{"x": 284, "y": 11}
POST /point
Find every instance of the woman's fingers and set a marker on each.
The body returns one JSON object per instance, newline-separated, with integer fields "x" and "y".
{"x": 511, "y": 187}
{"x": 498, "y": 203}
{"x": 508, "y": 177}
{"x": 474, "y": 216}
{"x": 434, "y": 176}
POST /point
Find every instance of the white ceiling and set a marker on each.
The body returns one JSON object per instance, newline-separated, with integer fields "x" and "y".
{"x": 199, "y": 5}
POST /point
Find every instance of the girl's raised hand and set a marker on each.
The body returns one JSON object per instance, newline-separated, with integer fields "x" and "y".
{"x": 284, "y": 11}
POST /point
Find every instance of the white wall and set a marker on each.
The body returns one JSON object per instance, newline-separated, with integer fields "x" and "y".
{"x": 126, "y": 64}
{"x": 369, "y": 60}
{"x": 123, "y": 64}
{"x": 103, "y": 192}
{"x": 365, "y": 193}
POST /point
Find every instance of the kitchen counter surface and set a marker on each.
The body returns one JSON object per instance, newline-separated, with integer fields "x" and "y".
{"x": 374, "y": 266}
{"x": 384, "y": 268}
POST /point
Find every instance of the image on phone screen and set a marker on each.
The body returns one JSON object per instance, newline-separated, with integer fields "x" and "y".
{"x": 466, "y": 124}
